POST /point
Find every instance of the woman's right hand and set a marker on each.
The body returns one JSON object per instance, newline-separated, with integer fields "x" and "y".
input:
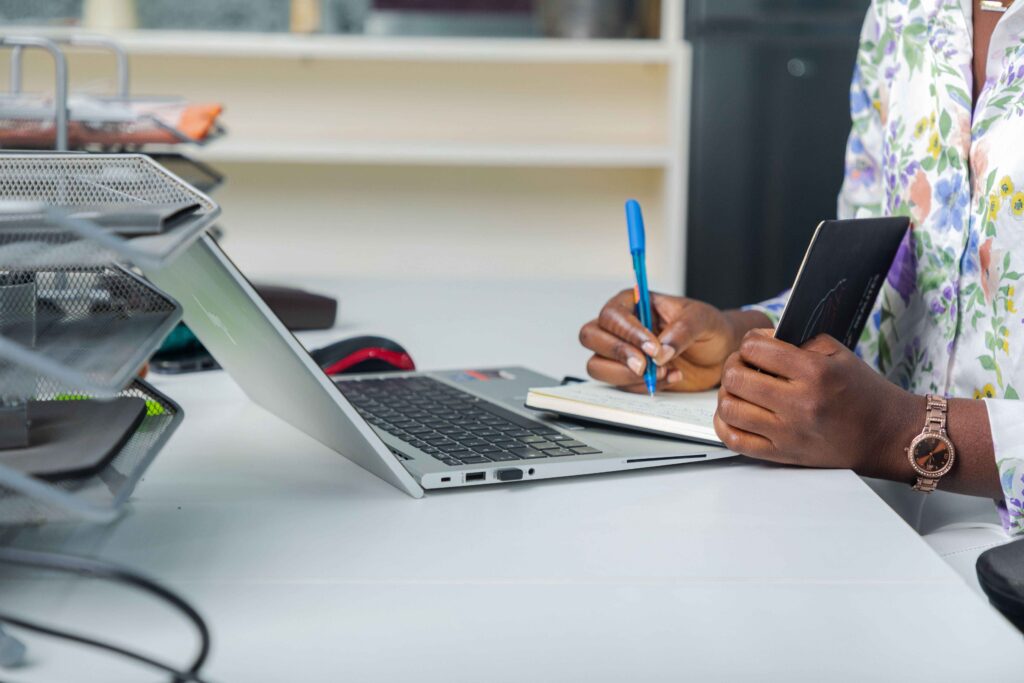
{"x": 690, "y": 342}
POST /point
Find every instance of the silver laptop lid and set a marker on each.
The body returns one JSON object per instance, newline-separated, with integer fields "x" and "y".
{"x": 266, "y": 360}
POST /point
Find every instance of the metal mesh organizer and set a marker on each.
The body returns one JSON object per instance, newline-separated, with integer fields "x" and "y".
{"x": 98, "y": 498}
{"x": 79, "y": 327}
{"x": 76, "y": 322}
{"x": 66, "y": 120}
{"x": 54, "y": 186}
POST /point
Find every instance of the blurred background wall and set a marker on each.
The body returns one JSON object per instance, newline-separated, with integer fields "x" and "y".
{"x": 499, "y": 138}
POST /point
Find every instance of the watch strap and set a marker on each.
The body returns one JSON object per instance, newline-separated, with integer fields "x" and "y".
{"x": 935, "y": 415}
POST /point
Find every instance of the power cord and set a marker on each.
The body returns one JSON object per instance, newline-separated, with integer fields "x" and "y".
{"x": 87, "y": 567}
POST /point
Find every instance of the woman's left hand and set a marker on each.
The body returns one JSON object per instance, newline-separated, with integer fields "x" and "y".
{"x": 817, "y": 406}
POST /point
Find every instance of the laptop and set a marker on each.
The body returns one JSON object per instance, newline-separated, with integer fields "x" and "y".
{"x": 417, "y": 431}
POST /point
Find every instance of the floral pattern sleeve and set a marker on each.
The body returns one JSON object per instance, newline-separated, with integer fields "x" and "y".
{"x": 863, "y": 192}
{"x": 1006, "y": 420}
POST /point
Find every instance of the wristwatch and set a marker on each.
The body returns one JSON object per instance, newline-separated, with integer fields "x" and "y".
{"x": 931, "y": 453}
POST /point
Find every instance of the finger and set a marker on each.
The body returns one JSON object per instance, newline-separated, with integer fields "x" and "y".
{"x": 613, "y": 372}
{"x": 609, "y": 346}
{"x": 823, "y": 344}
{"x": 620, "y": 321}
{"x": 739, "y": 441}
{"x": 771, "y": 355}
{"x": 740, "y": 414}
{"x": 744, "y": 382}
{"x": 677, "y": 337}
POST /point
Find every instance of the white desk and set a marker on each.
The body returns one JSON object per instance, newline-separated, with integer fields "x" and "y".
{"x": 310, "y": 569}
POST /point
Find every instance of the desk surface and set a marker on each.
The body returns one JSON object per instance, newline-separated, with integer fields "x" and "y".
{"x": 310, "y": 569}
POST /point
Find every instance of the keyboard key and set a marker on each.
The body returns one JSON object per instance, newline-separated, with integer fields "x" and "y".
{"x": 486, "y": 449}
{"x": 558, "y": 452}
{"x": 452, "y": 462}
{"x": 559, "y": 437}
{"x": 474, "y": 460}
{"x": 473, "y": 443}
{"x": 452, "y": 430}
{"x": 585, "y": 450}
{"x": 571, "y": 443}
{"x": 530, "y": 439}
{"x": 502, "y": 457}
{"x": 458, "y": 452}
{"x": 527, "y": 453}
{"x": 519, "y": 433}
{"x": 420, "y": 431}
{"x": 544, "y": 445}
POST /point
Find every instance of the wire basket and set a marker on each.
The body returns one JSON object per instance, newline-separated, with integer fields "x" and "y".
{"x": 48, "y": 190}
{"x": 101, "y": 497}
{"x": 78, "y": 327}
{"x": 118, "y": 122}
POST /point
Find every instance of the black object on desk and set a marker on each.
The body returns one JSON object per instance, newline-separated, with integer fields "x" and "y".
{"x": 1001, "y": 575}
{"x": 299, "y": 309}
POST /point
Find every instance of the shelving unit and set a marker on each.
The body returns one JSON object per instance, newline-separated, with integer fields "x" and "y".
{"x": 374, "y": 48}
{"x": 440, "y": 154}
{"x": 443, "y": 156}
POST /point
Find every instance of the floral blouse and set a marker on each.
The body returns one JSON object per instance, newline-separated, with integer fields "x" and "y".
{"x": 950, "y": 317}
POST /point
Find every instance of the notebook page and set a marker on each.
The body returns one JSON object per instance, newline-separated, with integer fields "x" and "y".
{"x": 690, "y": 408}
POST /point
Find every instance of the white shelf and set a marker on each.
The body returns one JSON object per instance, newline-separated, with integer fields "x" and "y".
{"x": 440, "y": 154}
{"x": 378, "y": 48}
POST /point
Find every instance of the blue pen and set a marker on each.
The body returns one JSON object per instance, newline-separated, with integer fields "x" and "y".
{"x": 641, "y": 294}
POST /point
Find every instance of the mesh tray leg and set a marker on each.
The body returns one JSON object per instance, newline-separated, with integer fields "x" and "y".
{"x": 14, "y": 425}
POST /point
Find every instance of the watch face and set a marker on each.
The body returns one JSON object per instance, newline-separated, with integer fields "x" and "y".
{"x": 932, "y": 454}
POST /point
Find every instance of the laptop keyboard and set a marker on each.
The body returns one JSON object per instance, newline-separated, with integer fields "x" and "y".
{"x": 454, "y": 426}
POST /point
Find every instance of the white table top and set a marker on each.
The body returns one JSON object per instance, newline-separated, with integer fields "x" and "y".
{"x": 309, "y": 568}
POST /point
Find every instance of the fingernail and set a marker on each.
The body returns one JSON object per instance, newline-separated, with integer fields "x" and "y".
{"x": 650, "y": 348}
{"x": 660, "y": 374}
{"x": 675, "y": 376}
{"x": 666, "y": 353}
{"x": 635, "y": 365}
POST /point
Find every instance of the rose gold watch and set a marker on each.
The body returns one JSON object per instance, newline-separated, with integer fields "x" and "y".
{"x": 931, "y": 453}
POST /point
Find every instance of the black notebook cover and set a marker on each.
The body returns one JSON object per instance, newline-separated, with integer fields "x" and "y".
{"x": 837, "y": 284}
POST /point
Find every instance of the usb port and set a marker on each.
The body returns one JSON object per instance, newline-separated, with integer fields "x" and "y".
{"x": 475, "y": 476}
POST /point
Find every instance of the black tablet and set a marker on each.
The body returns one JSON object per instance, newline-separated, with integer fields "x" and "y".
{"x": 837, "y": 284}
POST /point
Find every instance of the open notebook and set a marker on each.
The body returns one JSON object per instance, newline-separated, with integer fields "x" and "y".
{"x": 688, "y": 416}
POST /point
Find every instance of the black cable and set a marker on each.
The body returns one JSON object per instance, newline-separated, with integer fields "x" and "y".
{"x": 92, "y": 568}
{"x": 18, "y": 622}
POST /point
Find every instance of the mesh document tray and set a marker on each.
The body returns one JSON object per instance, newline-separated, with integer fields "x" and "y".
{"x": 79, "y": 327}
{"x": 100, "y": 497}
{"x": 106, "y": 123}
{"x": 59, "y": 185}
{"x": 196, "y": 173}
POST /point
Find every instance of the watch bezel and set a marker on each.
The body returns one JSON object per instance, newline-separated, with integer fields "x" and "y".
{"x": 913, "y": 461}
